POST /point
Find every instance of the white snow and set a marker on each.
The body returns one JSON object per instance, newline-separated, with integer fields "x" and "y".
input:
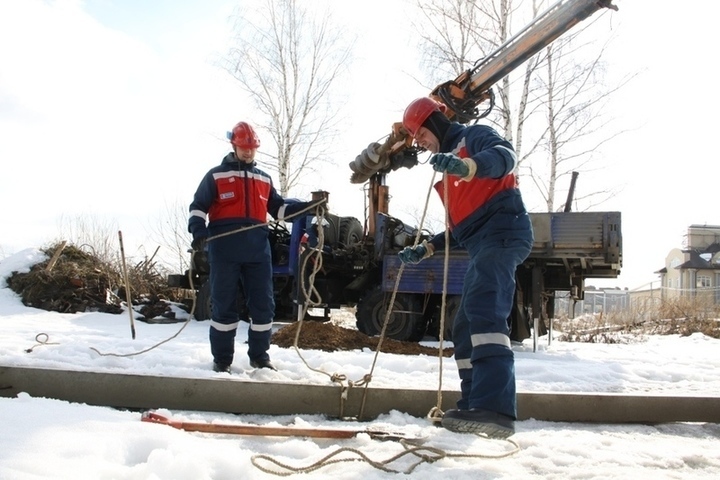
{"x": 44, "y": 438}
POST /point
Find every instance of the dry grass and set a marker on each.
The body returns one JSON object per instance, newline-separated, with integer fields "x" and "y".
{"x": 679, "y": 316}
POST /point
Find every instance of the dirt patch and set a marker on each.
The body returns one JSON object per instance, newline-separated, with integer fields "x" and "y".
{"x": 329, "y": 338}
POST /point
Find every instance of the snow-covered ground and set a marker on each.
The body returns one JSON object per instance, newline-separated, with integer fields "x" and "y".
{"x": 45, "y": 438}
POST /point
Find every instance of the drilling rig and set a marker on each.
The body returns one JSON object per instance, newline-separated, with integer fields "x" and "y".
{"x": 360, "y": 263}
{"x": 569, "y": 247}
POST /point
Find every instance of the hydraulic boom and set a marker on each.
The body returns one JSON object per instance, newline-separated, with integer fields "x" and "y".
{"x": 473, "y": 87}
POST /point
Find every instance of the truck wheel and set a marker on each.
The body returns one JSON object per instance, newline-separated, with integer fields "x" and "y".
{"x": 203, "y": 305}
{"x": 405, "y": 323}
{"x": 452, "y": 304}
{"x": 351, "y": 231}
{"x": 519, "y": 321}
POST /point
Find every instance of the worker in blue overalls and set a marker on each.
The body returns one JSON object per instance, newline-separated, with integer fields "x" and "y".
{"x": 488, "y": 218}
{"x": 230, "y": 208}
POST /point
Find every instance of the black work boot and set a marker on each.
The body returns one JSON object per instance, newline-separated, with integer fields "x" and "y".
{"x": 480, "y": 422}
{"x": 221, "y": 367}
{"x": 262, "y": 363}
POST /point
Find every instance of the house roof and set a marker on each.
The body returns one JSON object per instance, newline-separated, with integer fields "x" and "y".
{"x": 713, "y": 248}
{"x": 697, "y": 262}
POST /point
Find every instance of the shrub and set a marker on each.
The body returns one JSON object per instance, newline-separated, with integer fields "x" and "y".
{"x": 677, "y": 316}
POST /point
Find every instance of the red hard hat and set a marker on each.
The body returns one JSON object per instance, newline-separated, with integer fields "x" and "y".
{"x": 243, "y": 136}
{"x": 418, "y": 111}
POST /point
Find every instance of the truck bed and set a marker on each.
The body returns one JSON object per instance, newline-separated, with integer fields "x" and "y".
{"x": 582, "y": 244}
{"x": 568, "y": 246}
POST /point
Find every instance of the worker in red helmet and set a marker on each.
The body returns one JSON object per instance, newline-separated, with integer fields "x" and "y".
{"x": 230, "y": 210}
{"x": 488, "y": 218}
{"x": 244, "y": 137}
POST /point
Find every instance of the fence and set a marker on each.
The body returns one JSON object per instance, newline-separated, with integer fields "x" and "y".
{"x": 640, "y": 302}
{"x": 595, "y": 301}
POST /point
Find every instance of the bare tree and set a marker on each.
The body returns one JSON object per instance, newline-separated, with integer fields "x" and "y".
{"x": 573, "y": 98}
{"x": 287, "y": 59}
{"x": 478, "y": 28}
{"x": 450, "y": 43}
{"x": 170, "y": 231}
{"x": 556, "y": 103}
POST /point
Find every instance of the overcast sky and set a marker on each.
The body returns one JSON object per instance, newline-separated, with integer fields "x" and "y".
{"x": 116, "y": 109}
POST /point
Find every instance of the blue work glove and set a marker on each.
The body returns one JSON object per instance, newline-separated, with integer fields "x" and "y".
{"x": 449, "y": 163}
{"x": 415, "y": 254}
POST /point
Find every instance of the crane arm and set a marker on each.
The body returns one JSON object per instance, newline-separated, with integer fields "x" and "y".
{"x": 463, "y": 95}
{"x": 472, "y": 87}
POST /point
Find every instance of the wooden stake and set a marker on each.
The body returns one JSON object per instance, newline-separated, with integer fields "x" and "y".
{"x": 55, "y": 256}
{"x": 127, "y": 286}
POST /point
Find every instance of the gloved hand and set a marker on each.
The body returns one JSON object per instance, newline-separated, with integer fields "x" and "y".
{"x": 450, "y": 163}
{"x": 416, "y": 254}
{"x": 198, "y": 244}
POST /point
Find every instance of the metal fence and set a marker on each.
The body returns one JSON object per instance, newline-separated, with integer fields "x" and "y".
{"x": 595, "y": 301}
{"x": 641, "y": 302}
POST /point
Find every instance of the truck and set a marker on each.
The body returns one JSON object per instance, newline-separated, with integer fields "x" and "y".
{"x": 325, "y": 261}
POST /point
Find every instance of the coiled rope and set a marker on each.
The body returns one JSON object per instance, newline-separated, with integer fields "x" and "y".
{"x": 424, "y": 454}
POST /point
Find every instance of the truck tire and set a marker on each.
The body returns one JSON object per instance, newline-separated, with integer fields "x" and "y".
{"x": 518, "y": 322}
{"x": 203, "y": 305}
{"x": 351, "y": 231}
{"x": 406, "y": 322}
{"x": 452, "y": 304}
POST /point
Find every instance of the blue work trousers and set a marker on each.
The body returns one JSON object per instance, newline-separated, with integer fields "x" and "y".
{"x": 480, "y": 330}
{"x": 254, "y": 276}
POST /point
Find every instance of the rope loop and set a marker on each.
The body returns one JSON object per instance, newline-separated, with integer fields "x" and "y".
{"x": 338, "y": 377}
{"x": 42, "y": 339}
{"x": 435, "y": 414}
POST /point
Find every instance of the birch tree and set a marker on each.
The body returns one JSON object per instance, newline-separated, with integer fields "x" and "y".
{"x": 572, "y": 98}
{"x": 287, "y": 58}
{"x": 550, "y": 108}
